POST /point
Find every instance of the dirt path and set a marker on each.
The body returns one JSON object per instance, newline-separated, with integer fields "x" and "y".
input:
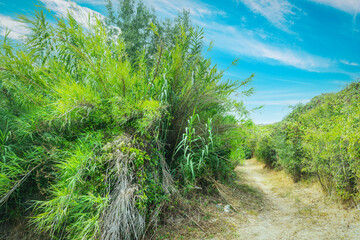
{"x": 294, "y": 211}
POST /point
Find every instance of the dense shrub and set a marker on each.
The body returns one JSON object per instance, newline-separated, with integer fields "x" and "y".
{"x": 265, "y": 148}
{"x": 287, "y": 141}
{"x": 332, "y": 142}
{"x": 94, "y": 141}
{"x": 322, "y": 139}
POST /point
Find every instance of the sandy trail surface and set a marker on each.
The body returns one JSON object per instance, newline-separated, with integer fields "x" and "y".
{"x": 293, "y": 211}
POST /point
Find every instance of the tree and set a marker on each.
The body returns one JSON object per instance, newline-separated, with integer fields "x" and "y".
{"x": 134, "y": 20}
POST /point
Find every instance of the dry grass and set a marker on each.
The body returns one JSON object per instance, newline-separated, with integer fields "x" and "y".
{"x": 299, "y": 210}
{"x": 203, "y": 216}
{"x": 267, "y": 204}
{"x": 19, "y": 231}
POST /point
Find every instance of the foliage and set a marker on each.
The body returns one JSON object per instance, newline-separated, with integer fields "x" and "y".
{"x": 321, "y": 138}
{"x": 265, "y": 149}
{"x": 133, "y": 19}
{"x": 95, "y": 138}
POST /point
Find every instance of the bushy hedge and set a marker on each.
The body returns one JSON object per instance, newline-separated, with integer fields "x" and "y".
{"x": 322, "y": 139}
{"x": 264, "y": 150}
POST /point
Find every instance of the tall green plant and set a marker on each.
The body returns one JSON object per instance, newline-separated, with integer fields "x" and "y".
{"x": 94, "y": 131}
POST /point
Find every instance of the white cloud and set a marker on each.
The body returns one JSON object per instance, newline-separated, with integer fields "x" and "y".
{"x": 91, "y": 2}
{"x": 349, "y": 6}
{"x": 346, "y": 62}
{"x": 81, "y": 14}
{"x": 297, "y": 82}
{"x": 60, "y": 7}
{"x": 275, "y": 11}
{"x": 170, "y": 8}
{"x": 340, "y": 82}
{"x": 241, "y": 42}
{"x": 17, "y": 29}
{"x": 277, "y": 102}
{"x": 245, "y": 42}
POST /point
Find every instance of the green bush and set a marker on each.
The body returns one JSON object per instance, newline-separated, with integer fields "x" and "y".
{"x": 97, "y": 141}
{"x": 265, "y": 149}
{"x": 321, "y": 139}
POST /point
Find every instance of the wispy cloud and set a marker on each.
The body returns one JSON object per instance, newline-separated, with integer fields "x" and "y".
{"x": 292, "y": 81}
{"x": 273, "y": 96}
{"x": 17, "y": 29}
{"x": 245, "y": 42}
{"x": 60, "y": 7}
{"x": 170, "y": 8}
{"x": 349, "y": 6}
{"x": 346, "y": 62}
{"x": 277, "y": 102}
{"x": 91, "y": 2}
{"x": 275, "y": 11}
{"x": 340, "y": 82}
{"x": 81, "y": 14}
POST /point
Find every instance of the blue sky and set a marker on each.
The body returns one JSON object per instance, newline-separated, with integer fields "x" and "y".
{"x": 296, "y": 48}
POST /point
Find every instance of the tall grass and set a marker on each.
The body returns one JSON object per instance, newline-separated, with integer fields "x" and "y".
{"x": 96, "y": 142}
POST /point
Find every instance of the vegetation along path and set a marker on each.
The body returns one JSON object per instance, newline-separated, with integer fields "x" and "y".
{"x": 294, "y": 211}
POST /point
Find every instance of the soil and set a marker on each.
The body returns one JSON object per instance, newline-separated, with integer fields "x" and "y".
{"x": 267, "y": 204}
{"x": 297, "y": 211}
